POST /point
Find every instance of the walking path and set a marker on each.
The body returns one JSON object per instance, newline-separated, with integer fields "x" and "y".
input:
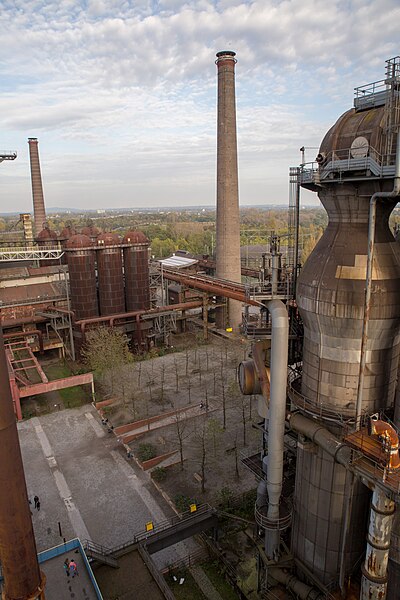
{"x": 205, "y": 584}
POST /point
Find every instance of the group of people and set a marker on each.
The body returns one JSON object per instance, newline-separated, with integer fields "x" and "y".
{"x": 107, "y": 424}
{"x": 70, "y": 568}
{"x": 36, "y": 502}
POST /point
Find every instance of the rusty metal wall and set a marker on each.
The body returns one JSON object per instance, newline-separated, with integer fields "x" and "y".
{"x": 22, "y": 578}
{"x": 330, "y": 297}
{"x": 82, "y": 276}
{"x": 136, "y": 269}
{"x": 110, "y": 274}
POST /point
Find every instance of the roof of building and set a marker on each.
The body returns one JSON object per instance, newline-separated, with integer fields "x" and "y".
{"x": 25, "y": 294}
{"x": 178, "y": 262}
{"x": 61, "y": 586}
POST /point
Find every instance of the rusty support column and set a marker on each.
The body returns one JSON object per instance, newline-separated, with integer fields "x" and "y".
{"x": 374, "y": 569}
{"x": 205, "y": 318}
{"x": 22, "y": 577}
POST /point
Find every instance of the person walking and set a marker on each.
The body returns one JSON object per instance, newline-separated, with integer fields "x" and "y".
{"x": 66, "y": 566}
{"x": 73, "y": 569}
{"x": 36, "y": 500}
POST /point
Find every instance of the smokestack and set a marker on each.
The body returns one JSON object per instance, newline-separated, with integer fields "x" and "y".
{"x": 22, "y": 577}
{"x": 228, "y": 227}
{"x": 39, "y": 211}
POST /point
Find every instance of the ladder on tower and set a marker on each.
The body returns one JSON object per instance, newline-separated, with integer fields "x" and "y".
{"x": 392, "y": 107}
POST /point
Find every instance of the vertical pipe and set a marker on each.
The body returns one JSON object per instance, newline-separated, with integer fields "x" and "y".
{"x": 368, "y": 284}
{"x": 22, "y": 577}
{"x": 277, "y": 415}
{"x": 228, "y": 225}
{"x": 296, "y": 236}
{"x": 39, "y": 211}
{"x": 374, "y": 569}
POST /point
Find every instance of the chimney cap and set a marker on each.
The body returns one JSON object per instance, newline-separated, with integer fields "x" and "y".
{"x": 32, "y": 139}
{"x": 225, "y": 53}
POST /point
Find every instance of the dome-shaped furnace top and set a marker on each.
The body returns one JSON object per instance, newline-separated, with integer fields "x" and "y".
{"x": 91, "y": 231}
{"x": 108, "y": 239}
{"x": 135, "y": 237}
{"x": 47, "y": 234}
{"x": 79, "y": 241}
{"x": 67, "y": 232}
{"x": 356, "y": 135}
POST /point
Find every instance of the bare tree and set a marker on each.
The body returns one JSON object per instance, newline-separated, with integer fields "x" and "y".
{"x": 187, "y": 362}
{"x": 176, "y": 375}
{"x": 182, "y": 432}
{"x": 214, "y": 430}
{"x": 223, "y": 404}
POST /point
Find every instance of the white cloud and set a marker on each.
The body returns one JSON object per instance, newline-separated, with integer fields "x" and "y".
{"x": 137, "y": 78}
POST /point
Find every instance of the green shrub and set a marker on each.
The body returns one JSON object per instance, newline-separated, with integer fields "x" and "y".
{"x": 183, "y": 502}
{"x": 146, "y": 452}
{"x": 159, "y": 474}
{"x": 225, "y": 497}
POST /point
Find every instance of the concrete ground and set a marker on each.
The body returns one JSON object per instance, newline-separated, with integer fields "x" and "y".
{"x": 64, "y": 587}
{"x": 86, "y": 485}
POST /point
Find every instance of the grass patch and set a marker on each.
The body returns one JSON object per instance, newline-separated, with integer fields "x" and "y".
{"x": 73, "y": 397}
{"x": 211, "y": 569}
{"x": 57, "y": 371}
{"x": 189, "y": 590}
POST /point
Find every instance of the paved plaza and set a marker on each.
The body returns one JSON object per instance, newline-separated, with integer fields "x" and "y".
{"x": 86, "y": 485}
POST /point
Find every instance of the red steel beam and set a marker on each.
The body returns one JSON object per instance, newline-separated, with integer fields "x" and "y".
{"x": 57, "y": 384}
{"x": 234, "y": 291}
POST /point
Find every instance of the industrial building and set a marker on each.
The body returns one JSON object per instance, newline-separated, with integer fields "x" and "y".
{"x": 324, "y": 362}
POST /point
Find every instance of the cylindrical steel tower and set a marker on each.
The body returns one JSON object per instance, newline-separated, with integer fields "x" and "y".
{"x": 353, "y": 165}
{"x": 39, "y": 211}
{"x": 110, "y": 275}
{"x": 228, "y": 226}
{"x": 82, "y": 276}
{"x": 136, "y": 268}
{"x": 22, "y": 577}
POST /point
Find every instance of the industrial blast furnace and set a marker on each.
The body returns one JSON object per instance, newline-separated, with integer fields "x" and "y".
{"x": 341, "y": 397}
{"x": 356, "y": 159}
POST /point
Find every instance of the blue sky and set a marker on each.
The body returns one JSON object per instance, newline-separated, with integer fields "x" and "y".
{"x": 122, "y": 93}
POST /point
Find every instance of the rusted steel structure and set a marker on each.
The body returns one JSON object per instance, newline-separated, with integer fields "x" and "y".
{"x": 47, "y": 239}
{"x": 39, "y": 211}
{"x": 82, "y": 276}
{"x": 228, "y": 265}
{"x": 136, "y": 269}
{"x": 92, "y": 232}
{"x": 356, "y": 162}
{"x": 22, "y": 577}
{"x": 109, "y": 274}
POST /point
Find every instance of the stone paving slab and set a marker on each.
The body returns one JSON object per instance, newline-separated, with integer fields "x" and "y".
{"x": 86, "y": 485}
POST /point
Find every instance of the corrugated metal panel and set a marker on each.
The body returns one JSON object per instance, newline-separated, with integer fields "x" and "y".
{"x": 178, "y": 262}
{"x": 30, "y": 293}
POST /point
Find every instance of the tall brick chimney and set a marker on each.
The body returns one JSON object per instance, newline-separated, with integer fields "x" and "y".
{"x": 39, "y": 211}
{"x": 228, "y": 227}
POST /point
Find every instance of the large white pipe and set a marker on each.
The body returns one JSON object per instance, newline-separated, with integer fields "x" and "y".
{"x": 277, "y": 415}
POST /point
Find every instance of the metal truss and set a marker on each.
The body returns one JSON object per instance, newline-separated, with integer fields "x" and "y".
{"x": 15, "y": 254}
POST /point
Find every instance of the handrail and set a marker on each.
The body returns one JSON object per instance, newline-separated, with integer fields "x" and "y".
{"x": 309, "y": 406}
{"x": 260, "y": 513}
